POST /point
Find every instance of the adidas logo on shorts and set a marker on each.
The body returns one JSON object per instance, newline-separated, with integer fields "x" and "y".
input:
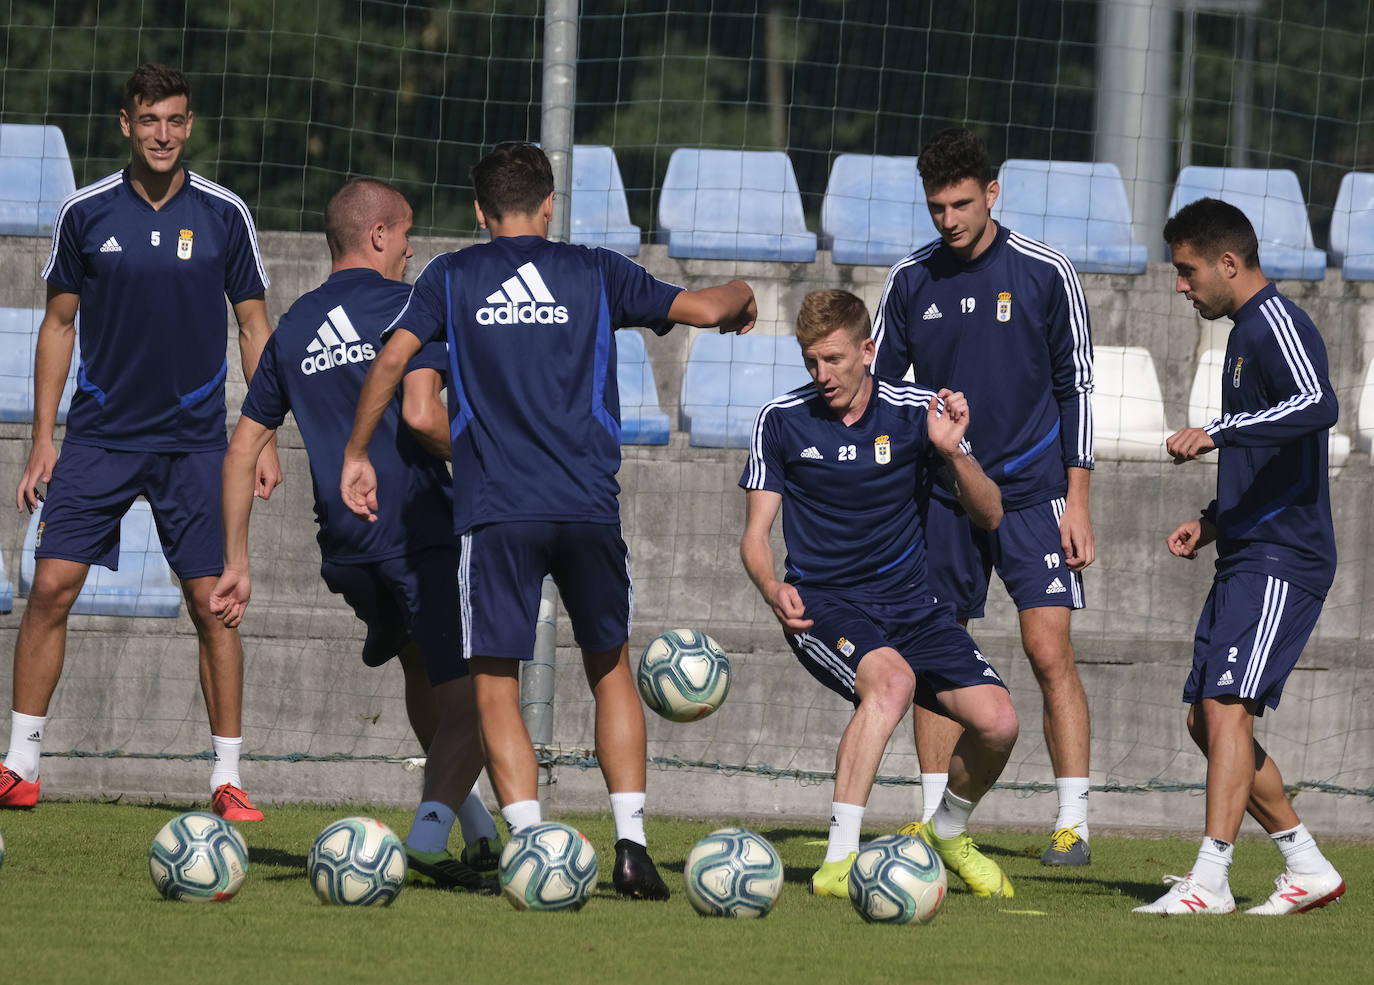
{"x": 1225, "y": 679}
{"x": 336, "y": 343}
{"x": 1055, "y": 587}
{"x": 524, "y": 299}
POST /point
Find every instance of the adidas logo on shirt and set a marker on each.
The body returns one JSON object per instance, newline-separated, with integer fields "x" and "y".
{"x": 812, "y": 452}
{"x": 524, "y": 299}
{"x": 1225, "y": 679}
{"x": 111, "y": 245}
{"x": 931, "y": 313}
{"x": 1055, "y": 587}
{"x": 336, "y": 342}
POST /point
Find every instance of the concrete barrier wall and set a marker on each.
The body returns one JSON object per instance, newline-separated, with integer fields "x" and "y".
{"x": 130, "y": 686}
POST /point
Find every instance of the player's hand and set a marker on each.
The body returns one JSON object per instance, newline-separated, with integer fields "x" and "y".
{"x": 1188, "y": 444}
{"x": 743, "y": 321}
{"x": 947, "y": 421}
{"x": 229, "y": 598}
{"x": 1076, "y": 537}
{"x": 42, "y": 458}
{"x": 268, "y": 475}
{"x": 1189, "y": 538}
{"x": 788, "y": 608}
{"x": 358, "y": 487}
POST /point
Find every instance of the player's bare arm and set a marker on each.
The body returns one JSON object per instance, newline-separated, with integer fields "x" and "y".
{"x": 231, "y": 593}
{"x": 947, "y": 421}
{"x": 730, "y": 306}
{"x": 358, "y": 482}
{"x": 1076, "y": 525}
{"x": 1188, "y": 444}
{"x": 1189, "y": 538}
{"x": 254, "y": 329}
{"x": 52, "y": 359}
{"x": 761, "y": 509}
{"x": 424, "y": 412}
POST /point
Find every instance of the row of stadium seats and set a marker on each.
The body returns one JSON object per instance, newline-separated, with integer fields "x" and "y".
{"x": 746, "y": 205}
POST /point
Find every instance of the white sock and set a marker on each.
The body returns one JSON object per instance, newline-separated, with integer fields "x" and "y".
{"x": 1214, "y": 864}
{"x": 951, "y": 818}
{"x": 26, "y": 743}
{"x": 628, "y": 811}
{"x": 932, "y": 789}
{"x": 1073, "y": 804}
{"x": 521, "y": 815}
{"x": 475, "y": 819}
{"x": 845, "y": 822}
{"x": 430, "y": 828}
{"x": 1300, "y": 851}
{"x": 226, "y": 768}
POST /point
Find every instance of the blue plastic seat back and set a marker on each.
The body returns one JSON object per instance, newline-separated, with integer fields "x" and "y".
{"x": 734, "y": 205}
{"x": 142, "y": 586}
{"x": 6, "y": 587}
{"x": 642, "y": 422}
{"x": 728, "y": 378}
{"x": 1352, "y": 226}
{"x": 1078, "y": 207}
{"x": 18, "y": 337}
{"x": 600, "y": 215}
{"x": 35, "y": 176}
{"x": 874, "y": 211}
{"x": 1272, "y": 201}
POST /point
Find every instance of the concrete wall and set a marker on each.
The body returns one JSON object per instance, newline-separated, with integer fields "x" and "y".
{"x": 130, "y": 686}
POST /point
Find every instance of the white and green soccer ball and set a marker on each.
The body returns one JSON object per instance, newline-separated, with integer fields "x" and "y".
{"x": 357, "y": 861}
{"x": 733, "y": 872}
{"x": 683, "y": 675}
{"x": 548, "y": 866}
{"x": 198, "y": 857}
{"x": 897, "y": 879}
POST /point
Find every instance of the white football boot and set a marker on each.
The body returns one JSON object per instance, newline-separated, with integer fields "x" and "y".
{"x": 1189, "y": 897}
{"x": 1296, "y": 892}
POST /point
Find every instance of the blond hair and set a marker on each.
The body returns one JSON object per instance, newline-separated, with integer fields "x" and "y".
{"x": 823, "y": 312}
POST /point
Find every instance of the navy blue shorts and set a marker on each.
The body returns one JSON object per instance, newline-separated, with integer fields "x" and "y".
{"x": 939, "y": 650}
{"x": 1025, "y": 549}
{"x": 92, "y": 488}
{"x": 502, "y": 572}
{"x": 1252, "y": 630}
{"x": 414, "y": 597}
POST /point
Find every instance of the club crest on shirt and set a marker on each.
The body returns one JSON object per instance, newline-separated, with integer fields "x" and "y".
{"x": 184, "y": 245}
{"x": 1235, "y": 377}
{"x": 1004, "y": 306}
{"x": 882, "y": 449}
{"x": 845, "y": 647}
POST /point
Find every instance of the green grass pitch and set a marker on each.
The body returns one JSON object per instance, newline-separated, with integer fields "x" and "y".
{"x": 77, "y": 905}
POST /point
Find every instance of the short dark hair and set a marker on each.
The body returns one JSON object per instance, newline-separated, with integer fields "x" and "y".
{"x": 514, "y": 177}
{"x": 952, "y": 155}
{"x": 1213, "y": 227}
{"x": 152, "y": 83}
{"x": 355, "y": 208}
{"x": 823, "y": 312}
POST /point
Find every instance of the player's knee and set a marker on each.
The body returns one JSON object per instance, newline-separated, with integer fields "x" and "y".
{"x": 54, "y": 591}
{"x": 995, "y": 722}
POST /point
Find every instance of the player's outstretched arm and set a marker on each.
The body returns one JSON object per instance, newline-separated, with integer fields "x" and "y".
{"x": 761, "y": 509}
{"x": 947, "y": 420}
{"x": 424, "y": 412}
{"x": 1190, "y": 537}
{"x": 51, "y": 361}
{"x": 730, "y": 306}
{"x": 254, "y": 330}
{"x": 231, "y": 593}
{"x": 1188, "y": 444}
{"x": 358, "y": 482}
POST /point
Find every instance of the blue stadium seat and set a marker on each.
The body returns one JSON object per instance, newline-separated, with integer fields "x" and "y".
{"x": 6, "y": 587}
{"x": 1077, "y": 207}
{"x": 143, "y": 584}
{"x": 35, "y": 176}
{"x": 600, "y": 214}
{"x": 728, "y": 378}
{"x": 641, "y": 420}
{"x": 874, "y": 210}
{"x": 1272, "y": 201}
{"x": 18, "y": 336}
{"x": 1352, "y": 226}
{"x": 734, "y": 205}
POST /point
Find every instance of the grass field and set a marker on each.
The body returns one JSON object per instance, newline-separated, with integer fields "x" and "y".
{"x": 77, "y": 905}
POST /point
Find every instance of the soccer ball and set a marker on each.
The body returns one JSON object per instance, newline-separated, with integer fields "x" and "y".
{"x": 897, "y": 879}
{"x": 548, "y": 866}
{"x": 733, "y": 873}
{"x": 198, "y": 857}
{"x": 357, "y": 861}
{"x": 683, "y": 675}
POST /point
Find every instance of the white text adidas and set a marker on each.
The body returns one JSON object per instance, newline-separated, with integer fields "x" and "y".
{"x": 111, "y": 245}
{"x": 1055, "y": 587}
{"x": 931, "y": 313}
{"x": 336, "y": 342}
{"x": 523, "y": 300}
{"x": 812, "y": 452}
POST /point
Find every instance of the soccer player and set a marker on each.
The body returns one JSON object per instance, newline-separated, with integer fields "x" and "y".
{"x": 853, "y": 460}
{"x": 398, "y": 575}
{"x": 149, "y": 255}
{"x": 1276, "y": 554}
{"x": 535, "y": 428}
{"x": 1002, "y": 318}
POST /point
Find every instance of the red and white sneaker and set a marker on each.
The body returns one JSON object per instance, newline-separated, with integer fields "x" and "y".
{"x": 15, "y": 791}
{"x": 1296, "y": 892}
{"x": 233, "y": 804}
{"x": 1188, "y": 897}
